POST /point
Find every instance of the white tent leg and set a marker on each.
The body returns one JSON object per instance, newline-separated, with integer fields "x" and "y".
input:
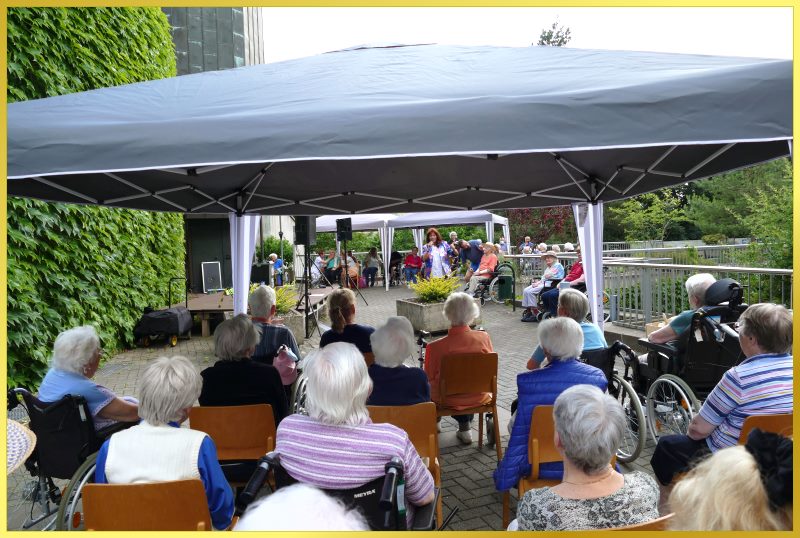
{"x": 507, "y": 235}
{"x": 419, "y": 237}
{"x": 243, "y": 245}
{"x": 490, "y": 232}
{"x": 589, "y": 221}
{"x": 387, "y": 234}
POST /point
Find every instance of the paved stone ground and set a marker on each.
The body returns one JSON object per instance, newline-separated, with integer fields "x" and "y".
{"x": 466, "y": 470}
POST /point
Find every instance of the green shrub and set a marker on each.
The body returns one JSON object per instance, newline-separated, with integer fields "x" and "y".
{"x": 285, "y": 298}
{"x": 70, "y": 265}
{"x": 435, "y": 290}
{"x": 714, "y": 239}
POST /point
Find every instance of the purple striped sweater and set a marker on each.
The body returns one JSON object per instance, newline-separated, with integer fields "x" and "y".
{"x": 344, "y": 457}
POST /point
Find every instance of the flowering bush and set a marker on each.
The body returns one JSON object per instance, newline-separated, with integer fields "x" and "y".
{"x": 435, "y": 290}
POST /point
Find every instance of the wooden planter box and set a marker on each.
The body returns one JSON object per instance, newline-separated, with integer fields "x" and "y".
{"x": 294, "y": 321}
{"x": 427, "y": 317}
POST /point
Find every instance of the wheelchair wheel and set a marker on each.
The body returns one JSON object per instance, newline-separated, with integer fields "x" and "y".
{"x": 494, "y": 290}
{"x": 670, "y": 409}
{"x": 70, "y": 511}
{"x": 298, "y": 404}
{"x": 635, "y": 434}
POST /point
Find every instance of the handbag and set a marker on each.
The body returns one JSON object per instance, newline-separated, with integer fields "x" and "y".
{"x": 362, "y": 282}
{"x": 286, "y": 363}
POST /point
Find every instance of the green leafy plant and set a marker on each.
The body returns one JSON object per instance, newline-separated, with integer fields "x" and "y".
{"x": 71, "y": 265}
{"x": 714, "y": 239}
{"x": 435, "y": 290}
{"x": 285, "y": 298}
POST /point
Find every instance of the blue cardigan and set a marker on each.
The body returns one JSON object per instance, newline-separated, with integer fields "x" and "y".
{"x": 540, "y": 387}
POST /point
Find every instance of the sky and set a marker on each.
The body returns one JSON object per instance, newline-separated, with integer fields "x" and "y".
{"x": 726, "y": 31}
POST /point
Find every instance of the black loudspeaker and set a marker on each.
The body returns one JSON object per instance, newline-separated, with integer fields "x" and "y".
{"x": 344, "y": 229}
{"x": 305, "y": 230}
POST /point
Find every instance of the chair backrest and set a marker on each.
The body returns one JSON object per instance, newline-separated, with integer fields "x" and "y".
{"x": 704, "y": 361}
{"x": 65, "y": 434}
{"x": 541, "y": 448}
{"x": 418, "y": 421}
{"x": 369, "y": 358}
{"x": 658, "y": 524}
{"x": 240, "y": 432}
{"x": 159, "y": 506}
{"x": 601, "y": 358}
{"x": 468, "y": 373}
{"x": 781, "y": 424}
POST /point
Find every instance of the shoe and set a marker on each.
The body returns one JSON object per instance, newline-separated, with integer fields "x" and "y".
{"x": 529, "y": 319}
{"x": 465, "y": 437}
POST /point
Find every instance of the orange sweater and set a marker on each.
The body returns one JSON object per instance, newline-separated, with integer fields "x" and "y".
{"x": 458, "y": 340}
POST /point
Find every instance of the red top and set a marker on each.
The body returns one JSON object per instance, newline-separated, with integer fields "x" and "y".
{"x": 413, "y": 261}
{"x": 575, "y": 272}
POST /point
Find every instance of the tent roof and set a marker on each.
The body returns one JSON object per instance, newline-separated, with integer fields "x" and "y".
{"x": 327, "y": 223}
{"x": 428, "y": 218}
{"x": 405, "y": 129}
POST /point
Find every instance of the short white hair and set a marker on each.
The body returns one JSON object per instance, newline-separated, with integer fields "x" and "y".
{"x": 261, "y": 301}
{"x": 590, "y": 424}
{"x": 338, "y": 385}
{"x": 453, "y": 234}
{"x": 460, "y": 309}
{"x": 393, "y": 342}
{"x": 697, "y": 285}
{"x": 569, "y": 247}
{"x": 234, "y": 337}
{"x": 542, "y": 246}
{"x": 75, "y": 348}
{"x": 167, "y": 387}
{"x": 301, "y": 507}
{"x": 562, "y": 337}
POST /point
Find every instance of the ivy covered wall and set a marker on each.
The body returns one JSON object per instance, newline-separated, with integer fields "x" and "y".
{"x": 71, "y": 265}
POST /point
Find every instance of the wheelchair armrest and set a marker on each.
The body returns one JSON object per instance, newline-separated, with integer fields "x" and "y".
{"x": 424, "y": 516}
{"x": 670, "y": 348}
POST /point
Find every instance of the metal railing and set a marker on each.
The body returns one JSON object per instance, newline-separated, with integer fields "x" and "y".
{"x": 691, "y": 255}
{"x": 643, "y": 292}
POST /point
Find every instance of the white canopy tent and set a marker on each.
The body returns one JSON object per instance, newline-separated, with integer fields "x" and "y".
{"x": 417, "y": 222}
{"x": 360, "y": 223}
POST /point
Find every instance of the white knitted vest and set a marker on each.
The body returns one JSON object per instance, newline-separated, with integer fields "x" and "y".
{"x": 147, "y": 453}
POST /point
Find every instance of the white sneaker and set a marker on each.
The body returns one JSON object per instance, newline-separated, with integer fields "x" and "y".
{"x": 465, "y": 437}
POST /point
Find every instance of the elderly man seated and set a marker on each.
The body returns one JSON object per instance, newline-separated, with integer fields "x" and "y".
{"x": 759, "y": 385}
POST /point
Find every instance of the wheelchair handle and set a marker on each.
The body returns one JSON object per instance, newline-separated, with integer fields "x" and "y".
{"x": 256, "y": 482}
{"x": 394, "y": 470}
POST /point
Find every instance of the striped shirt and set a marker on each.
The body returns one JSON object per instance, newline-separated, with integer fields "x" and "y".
{"x": 760, "y": 385}
{"x": 344, "y": 457}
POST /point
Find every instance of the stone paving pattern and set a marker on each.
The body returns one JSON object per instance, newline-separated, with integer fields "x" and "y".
{"x": 466, "y": 470}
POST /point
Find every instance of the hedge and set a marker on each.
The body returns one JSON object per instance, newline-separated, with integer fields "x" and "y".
{"x": 70, "y": 265}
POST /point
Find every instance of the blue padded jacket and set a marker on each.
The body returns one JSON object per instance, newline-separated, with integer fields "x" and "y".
{"x": 540, "y": 387}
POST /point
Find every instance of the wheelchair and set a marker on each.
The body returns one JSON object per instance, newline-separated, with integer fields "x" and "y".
{"x": 489, "y": 287}
{"x": 66, "y": 450}
{"x": 381, "y": 501}
{"x": 680, "y": 374}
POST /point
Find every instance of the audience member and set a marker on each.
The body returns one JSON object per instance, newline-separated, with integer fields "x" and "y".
{"x": 562, "y": 341}
{"x": 696, "y": 287}
{"x": 413, "y": 264}
{"x": 274, "y": 338}
{"x": 592, "y": 495}
{"x": 472, "y": 252}
{"x": 460, "y": 309}
{"x": 342, "y": 311}
{"x": 393, "y": 383}
{"x": 372, "y": 262}
{"x": 739, "y": 488}
{"x": 553, "y": 271}
{"x": 158, "y": 449}
{"x": 576, "y": 278}
{"x": 485, "y": 268}
{"x": 526, "y": 243}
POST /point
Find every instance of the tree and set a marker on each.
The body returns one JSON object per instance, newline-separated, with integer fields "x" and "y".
{"x": 718, "y": 205}
{"x": 555, "y": 36}
{"x": 542, "y": 224}
{"x": 648, "y": 216}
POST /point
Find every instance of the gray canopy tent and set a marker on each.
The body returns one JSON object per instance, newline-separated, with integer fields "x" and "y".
{"x": 406, "y": 129}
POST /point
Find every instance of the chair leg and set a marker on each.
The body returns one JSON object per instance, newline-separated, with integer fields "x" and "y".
{"x": 506, "y": 509}
{"x": 480, "y": 430}
{"x": 498, "y": 445}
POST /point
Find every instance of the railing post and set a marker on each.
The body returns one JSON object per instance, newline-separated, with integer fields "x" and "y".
{"x": 647, "y": 294}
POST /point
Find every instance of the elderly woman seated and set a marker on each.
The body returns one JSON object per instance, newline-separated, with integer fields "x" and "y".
{"x": 553, "y": 271}
{"x": 76, "y": 357}
{"x": 739, "y": 488}
{"x": 328, "y": 448}
{"x": 158, "y": 449}
{"x": 562, "y": 341}
{"x": 696, "y": 287}
{"x": 573, "y": 304}
{"x": 236, "y": 379}
{"x": 460, "y": 309}
{"x": 592, "y": 495}
{"x": 393, "y": 383}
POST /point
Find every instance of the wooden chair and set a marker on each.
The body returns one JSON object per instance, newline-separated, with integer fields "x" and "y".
{"x": 659, "y": 524}
{"x": 470, "y": 373}
{"x": 240, "y": 432}
{"x": 161, "y": 506}
{"x": 419, "y": 422}
{"x": 781, "y": 424}
{"x": 369, "y": 358}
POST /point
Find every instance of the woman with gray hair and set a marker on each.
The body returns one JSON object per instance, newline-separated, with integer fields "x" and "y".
{"x": 76, "y": 358}
{"x": 592, "y": 495}
{"x": 393, "y": 383}
{"x": 326, "y": 449}
{"x": 158, "y": 449}
{"x": 562, "y": 341}
{"x": 696, "y": 287}
{"x": 235, "y": 379}
{"x": 460, "y": 309}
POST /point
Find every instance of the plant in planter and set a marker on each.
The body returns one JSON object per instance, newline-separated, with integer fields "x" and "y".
{"x": 425, "y": 311}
